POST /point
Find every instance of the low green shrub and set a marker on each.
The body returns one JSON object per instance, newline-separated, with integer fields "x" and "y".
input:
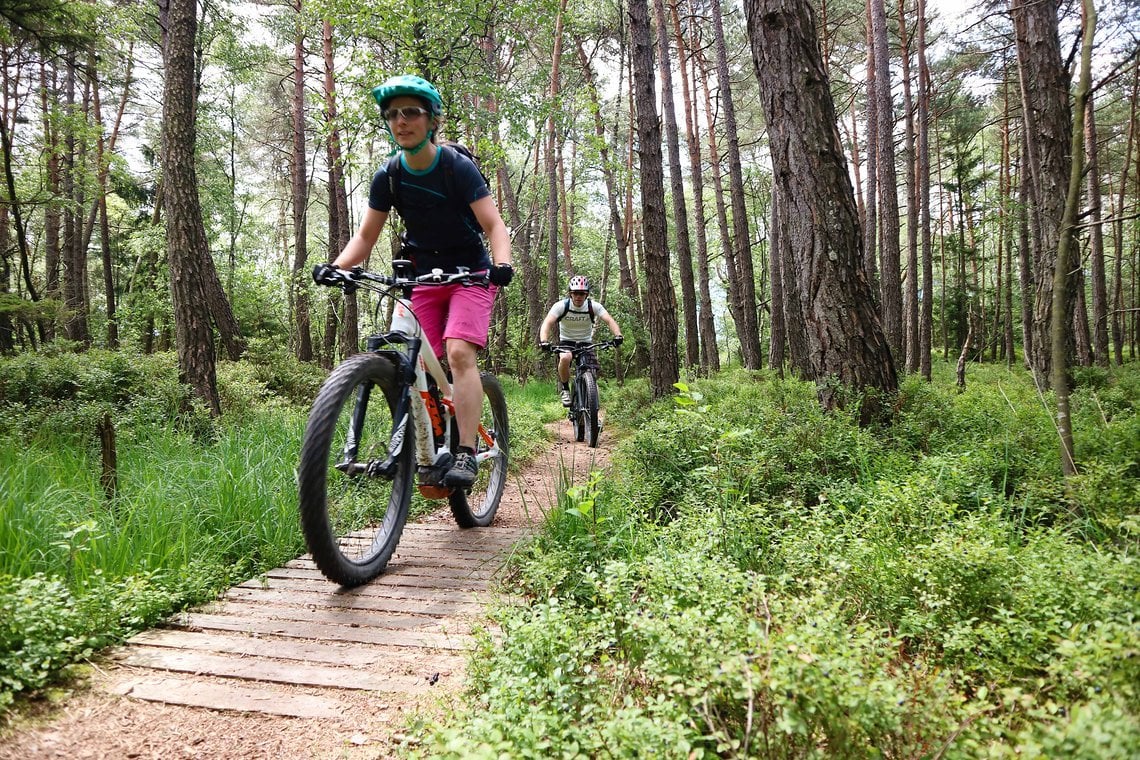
{"x": 47, "y": 625}
{"x": 759, "y": 579}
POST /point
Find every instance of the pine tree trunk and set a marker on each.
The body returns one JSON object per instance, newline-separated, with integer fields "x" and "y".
{"x": 1096, "y": 244}
{"x": 1060, "y": 341}
{"x": 890, "y": 284}
{"x": 299, "y": 288}
{"x": 677, "y": 191}
{"x": 710, "y": 353}
{"x": 660, "y": 303}
{"x": 748, "y": 328}
{"x": 340, "y": 229}
{"x": 846, "y": 342}
{"x": 734, "y": 297}
{"x": 186, "y": 245}
{"x": 910, "y": 294}
{"x": 1048, "y": 121}
{"x": 926, "y": 316}
{"x": 1118, "y": 331}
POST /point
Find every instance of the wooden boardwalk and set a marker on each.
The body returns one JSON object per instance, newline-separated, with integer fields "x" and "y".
{"x": 291, "y": 643}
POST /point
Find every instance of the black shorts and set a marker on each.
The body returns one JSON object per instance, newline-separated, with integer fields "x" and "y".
{"x": 590, "y": 357}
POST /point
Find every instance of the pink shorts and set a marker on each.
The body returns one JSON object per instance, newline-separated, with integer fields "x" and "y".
{"x": 454, "y": 311}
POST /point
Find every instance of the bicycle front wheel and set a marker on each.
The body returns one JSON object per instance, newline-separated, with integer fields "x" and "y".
{"x": 590, "y": 409}
{"x": 353, "y": 496}
{"x": 476, "y": 507}
{"x": 577, "y": 409}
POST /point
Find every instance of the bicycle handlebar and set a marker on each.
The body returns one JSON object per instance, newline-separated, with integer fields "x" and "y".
{"x": 349, "y": 280}
{"x": 558, "y": 347}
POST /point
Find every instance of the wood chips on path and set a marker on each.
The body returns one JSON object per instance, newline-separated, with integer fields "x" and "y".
{"x": 290, "y": 665}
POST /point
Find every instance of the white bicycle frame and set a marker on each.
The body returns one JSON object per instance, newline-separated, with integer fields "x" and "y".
{"x": 405, "y": 321}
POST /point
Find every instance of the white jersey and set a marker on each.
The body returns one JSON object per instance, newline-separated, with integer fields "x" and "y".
{"x": 576, "y": 325}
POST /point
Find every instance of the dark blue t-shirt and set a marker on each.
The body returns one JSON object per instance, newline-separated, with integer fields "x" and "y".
{"x": 441, "y": 232}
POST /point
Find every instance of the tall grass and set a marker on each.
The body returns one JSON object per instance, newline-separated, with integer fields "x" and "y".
{"x": 228, "y": 500}
{"x": 199, "y": 504}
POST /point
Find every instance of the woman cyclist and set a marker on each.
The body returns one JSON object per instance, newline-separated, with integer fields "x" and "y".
{"x": 447, "y": 209}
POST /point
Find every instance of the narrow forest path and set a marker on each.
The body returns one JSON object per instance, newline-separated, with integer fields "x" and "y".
{"x": 289, "y": 665}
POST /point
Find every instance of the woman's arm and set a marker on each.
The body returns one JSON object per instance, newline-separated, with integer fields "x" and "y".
{"x": 496, "y": 231}
{"x": 364, "y": 240}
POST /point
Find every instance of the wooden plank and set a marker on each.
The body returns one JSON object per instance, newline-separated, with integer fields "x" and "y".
{"x": 483, "y": 571}
{"x": 413, "y": 564}
{"x": 413, "y": 548}
{"x": 305, "y": 630}
{"x": 384, "y": 604}
{"x": 411, "y": 590}
{"x": 217, "y": 696}
{"x": 338, "y": 616}
{"x": 456, "y": 540}
{"x": 399, "y": 577}
{"x": 331, "y": 652}
{"x": 272, "y": 671}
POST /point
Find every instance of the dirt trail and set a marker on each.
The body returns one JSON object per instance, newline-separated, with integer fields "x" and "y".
{"x": 290, "y": 666}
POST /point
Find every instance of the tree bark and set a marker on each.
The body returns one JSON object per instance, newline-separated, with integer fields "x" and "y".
{"x": 186, "y": 243}
{"x": 910, "y": 294}
{"x": 340, "y": 229}
{"x": 1061, "y": 324}
{"x": 748, "y": 329}
{"x": 734, "y": 299}
{"x": 299, "y": 290}
{"x": 710, "y": 353}
{"x": 890, "y": 283}
{"x": 660, "y": 303}
{"x": 846, "y": 343}
{"x": 926, "y": 317}
{"x": 677, "y": 190}
{"x": 1096, "y": 244}
{"x": 1048, "y": 121}
{"x": 1118, "y": 331}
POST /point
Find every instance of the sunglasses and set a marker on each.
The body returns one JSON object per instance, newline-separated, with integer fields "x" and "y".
{"x": 408, "y": 112}
{"x": 579, "y": 293}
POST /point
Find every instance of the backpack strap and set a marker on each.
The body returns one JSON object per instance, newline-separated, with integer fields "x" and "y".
{"x": 589, "y": 308}
{"x": 565, "y": 309}
{"x": 395, "y": 173}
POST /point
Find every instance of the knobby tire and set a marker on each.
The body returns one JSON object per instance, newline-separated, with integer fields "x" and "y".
{"x": 590, "y": 409}
{"x": 352, "y": 522}
{"x": 476, "y": 507}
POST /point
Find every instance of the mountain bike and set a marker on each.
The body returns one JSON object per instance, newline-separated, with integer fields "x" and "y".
{"x": 583, "y": 411}
{"x": 383, "y": 419}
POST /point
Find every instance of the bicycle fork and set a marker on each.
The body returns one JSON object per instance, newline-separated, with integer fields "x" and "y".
{"x": 373, "y": 467}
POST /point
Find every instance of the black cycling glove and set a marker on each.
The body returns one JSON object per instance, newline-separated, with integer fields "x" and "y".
{"x": 501, "y": 275}
{"x": 618, "y": 340}
{"x": 325, "y": 274}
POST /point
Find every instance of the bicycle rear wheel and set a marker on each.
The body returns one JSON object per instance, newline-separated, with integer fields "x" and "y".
{"x": 590, "y": 409}
{"x": 476, "y": 507}
{"x": 352, "y": 512}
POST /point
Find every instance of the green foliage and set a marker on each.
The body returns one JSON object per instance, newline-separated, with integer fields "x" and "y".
{"x": 46, "y": 626}
{"x": 771, "y": 581}
{"x": 200, "y": 503}
{"x": 60, "y": 394}
{"x": 270, "y": 373}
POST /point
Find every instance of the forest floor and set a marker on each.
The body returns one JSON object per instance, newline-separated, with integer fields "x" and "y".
{"x": 289, "y": 666}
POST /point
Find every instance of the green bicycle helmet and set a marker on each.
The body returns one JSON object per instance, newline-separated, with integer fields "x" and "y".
{"x": 409, "y": 84}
